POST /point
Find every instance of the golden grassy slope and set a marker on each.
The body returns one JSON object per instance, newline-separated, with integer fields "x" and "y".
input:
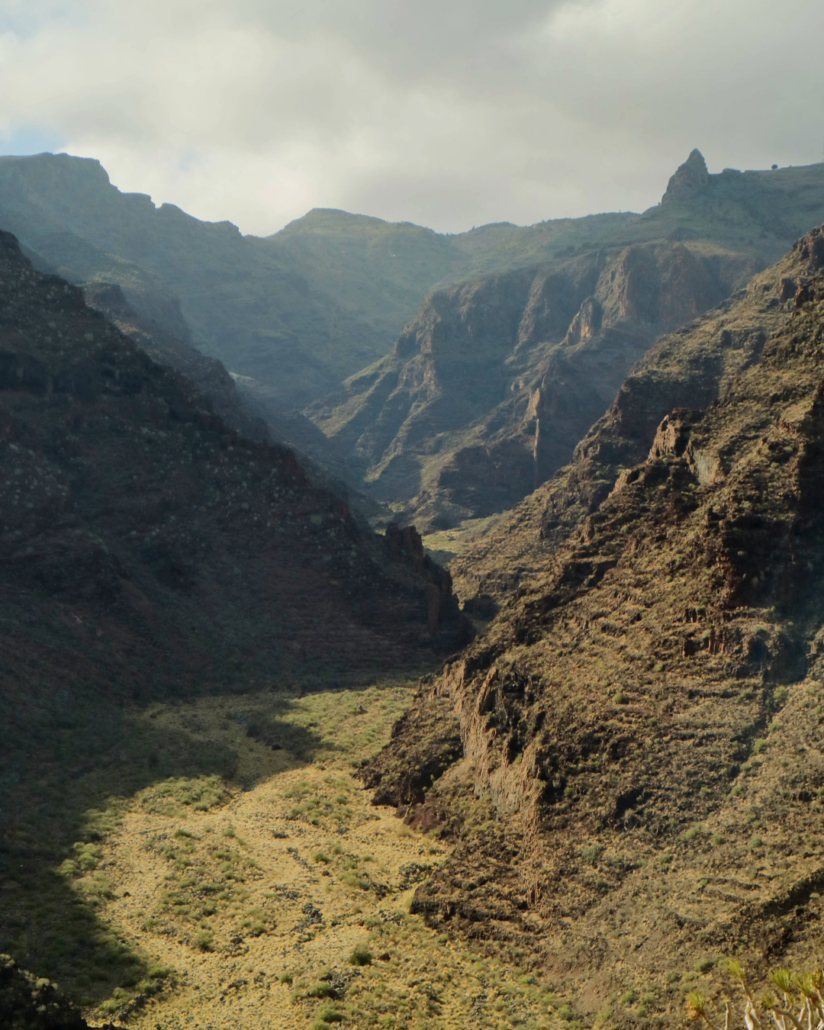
{"x": 246, "y": 899}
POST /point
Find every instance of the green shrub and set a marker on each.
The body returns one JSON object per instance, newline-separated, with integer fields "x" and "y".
{"x": 321, "y": 989}
{"x": 361, "y": 956}
{"x": 591, "y": 854}
{"x": 327, "y": 1014}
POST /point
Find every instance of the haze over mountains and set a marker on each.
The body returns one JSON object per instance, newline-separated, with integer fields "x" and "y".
{"x": 621, "y": 775}
{"x": 493, "y": 381}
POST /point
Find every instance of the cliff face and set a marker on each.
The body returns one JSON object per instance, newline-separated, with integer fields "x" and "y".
{"x": 642, "y": 716}
{"x": 493, "y": 384}
{"x": 488, "y": 391}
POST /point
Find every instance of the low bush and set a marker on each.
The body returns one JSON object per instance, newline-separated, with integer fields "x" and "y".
{"x": 361, "y": 956}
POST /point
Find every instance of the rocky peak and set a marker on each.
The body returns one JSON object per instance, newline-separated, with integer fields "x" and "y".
{"x": 689, "y": 180}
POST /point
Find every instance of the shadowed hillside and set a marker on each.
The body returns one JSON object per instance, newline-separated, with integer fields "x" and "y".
{"x": 148, "y": 551}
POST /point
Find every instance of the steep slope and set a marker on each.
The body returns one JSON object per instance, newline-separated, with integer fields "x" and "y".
{"x": 124, "y": 494}
{"x": 641, "y": 783}
{"x": 207, "y": 374}
{"x": 297, "y": 312}
{"x": 248, "y": 302}
{"x": 148, "y": 551}
{"x": 303, "y": 309}
{"x": 489, "y": 389}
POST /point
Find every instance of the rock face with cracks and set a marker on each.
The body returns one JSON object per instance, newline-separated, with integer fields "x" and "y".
{"x": 492, "y": 385}
{"x": 644, "y": 715}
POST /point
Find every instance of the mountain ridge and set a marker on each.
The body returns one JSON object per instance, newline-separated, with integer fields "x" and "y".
{"x": 640, "y": 718}
{"x": 528, "y": 358}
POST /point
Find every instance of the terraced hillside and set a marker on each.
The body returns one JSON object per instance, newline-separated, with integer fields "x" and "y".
{"x": 644, "y": 714}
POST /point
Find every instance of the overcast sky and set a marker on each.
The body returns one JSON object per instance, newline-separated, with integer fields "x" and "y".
{"x": 449, "y": 113}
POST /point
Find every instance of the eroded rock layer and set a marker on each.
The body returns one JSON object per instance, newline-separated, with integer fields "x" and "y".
{"x": 640, "y": 725}
{"x": 490, "y": 388}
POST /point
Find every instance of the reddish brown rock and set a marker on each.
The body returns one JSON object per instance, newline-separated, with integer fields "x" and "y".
{"x": 640, "y": 724}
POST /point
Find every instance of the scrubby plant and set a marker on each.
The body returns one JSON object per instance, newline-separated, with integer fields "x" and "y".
{"x": 361, "y": 956}
{"x": 799, "y": 1003}
{"x": 327, "y": 1015}
{"x": 321, "y": 989}
{"x": 591, "y": 854}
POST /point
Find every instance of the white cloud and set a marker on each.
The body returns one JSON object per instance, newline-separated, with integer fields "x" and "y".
{"x": 445, "y": 114}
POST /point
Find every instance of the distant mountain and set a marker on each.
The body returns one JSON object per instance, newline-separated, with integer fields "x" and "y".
{"x": 489, "y": 389}
{"x": 297, "y": 311}
{"x": 486, "y": 391}
{"x": 634, "y": 783}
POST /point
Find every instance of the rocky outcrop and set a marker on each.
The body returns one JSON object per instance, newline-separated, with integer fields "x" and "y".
{"x": 641, "y": 713}
{"x": 690, "y": 180}
{"x": 491, "y": 387}
{"x": 405, "y": 545}
{"x": 688, "y": 369}
{"x": 296, "y": 313}
{"x": 429, "y": 742}
{"x": 487, "y": 393}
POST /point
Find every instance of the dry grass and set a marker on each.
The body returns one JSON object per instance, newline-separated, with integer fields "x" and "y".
{"x": 279, "y": 899}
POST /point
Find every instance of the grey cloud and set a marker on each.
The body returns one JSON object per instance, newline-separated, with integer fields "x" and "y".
{"x": 450, "y": 114}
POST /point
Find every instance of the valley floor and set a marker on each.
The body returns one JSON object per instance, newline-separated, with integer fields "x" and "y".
{"x": 278, "y": 897}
